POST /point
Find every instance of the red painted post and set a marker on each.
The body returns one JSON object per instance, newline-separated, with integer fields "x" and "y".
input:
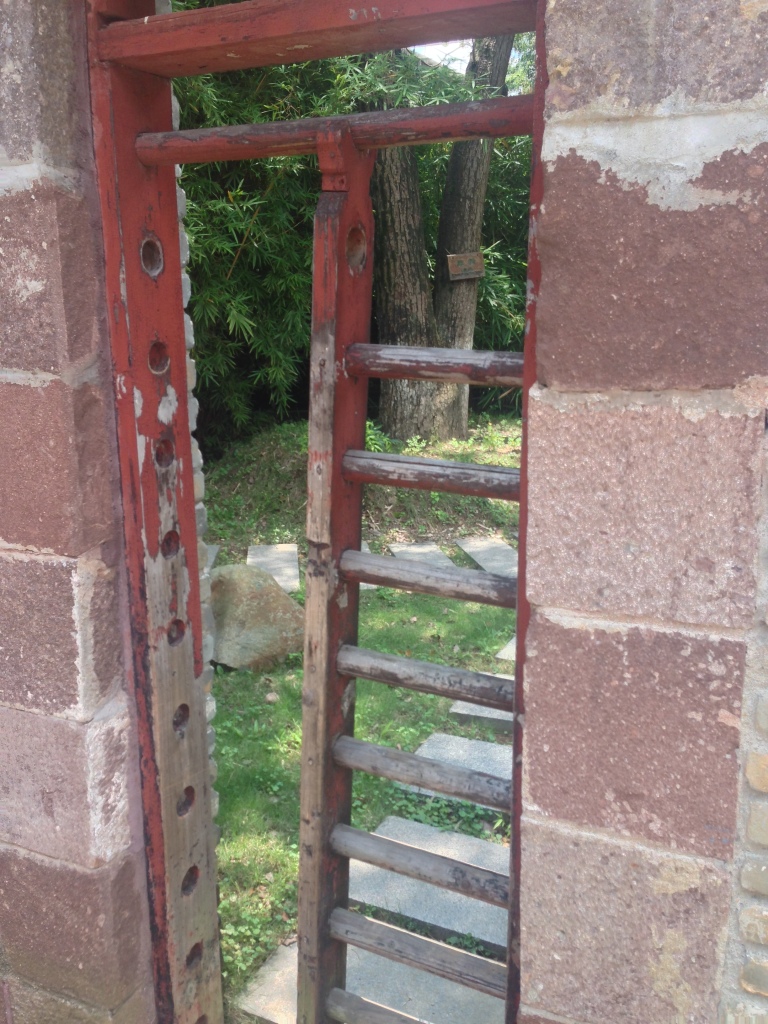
{"x": 341, "y": 311}
{"x": 144, "y": 299}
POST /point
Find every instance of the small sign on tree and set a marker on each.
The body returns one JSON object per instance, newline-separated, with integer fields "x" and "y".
{"x": 465, "y": 266}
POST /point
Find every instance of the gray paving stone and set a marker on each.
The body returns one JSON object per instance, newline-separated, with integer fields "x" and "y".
{"x": 423, "y": 551}
{"x": 366, "y": 547}
{"x": 213, "y": 551}
{"x": 476, "y": 714}
{"x": 280, "y": 561}
{"x": 448, "y": 911}
{"x": 271, "y": 997}
{"x": 509, "y": 651}
{"x": 477, "y": 755}
{"x": 491, "y": 553}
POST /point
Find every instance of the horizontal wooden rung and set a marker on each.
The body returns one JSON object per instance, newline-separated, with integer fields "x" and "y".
{"x": 425, "y": 954}
{"x": 403, "y": 859}
{"x": 458, "y": 684}
{"x": 432, "y": 474}
{"x": 413, "y": 126}
{"x": 450, "y": 365}
{"x": 347, "y": 1008}
{"x": 405, "y": 574}
{"x": 259, "y": 33}
{"x": 413, "y": 770}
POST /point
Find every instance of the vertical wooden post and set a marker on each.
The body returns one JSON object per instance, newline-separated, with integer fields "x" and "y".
{"x": 146, "y": 328}
{"x": 341, "y": 311}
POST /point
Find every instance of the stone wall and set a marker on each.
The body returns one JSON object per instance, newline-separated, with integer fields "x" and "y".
{"x": 74, "y": 936}
{"x": 645, "y": 834}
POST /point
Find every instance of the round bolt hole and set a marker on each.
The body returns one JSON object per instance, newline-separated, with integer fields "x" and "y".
{"x": 194, "y": 956}
{"x": 181, "y": 720}
{"x": 357, "y": 249}
{"x": 152, "y": 257}
{"x": 176, "y": 632}
{"x": 159, "y": 360}
{"x": 190, "y": 881}
{"x": 169, "y": 545}
{"x": 164, "y": 453}
{"x": 185, "y": 802}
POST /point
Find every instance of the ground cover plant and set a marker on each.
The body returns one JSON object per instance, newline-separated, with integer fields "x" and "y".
{"x": 257, "y": 494}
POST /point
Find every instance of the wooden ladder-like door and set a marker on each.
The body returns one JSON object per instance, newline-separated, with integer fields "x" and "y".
{"x": 341, "y": 363}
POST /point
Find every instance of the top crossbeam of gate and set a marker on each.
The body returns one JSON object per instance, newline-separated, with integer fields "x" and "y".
{"x": 259, "y": 33}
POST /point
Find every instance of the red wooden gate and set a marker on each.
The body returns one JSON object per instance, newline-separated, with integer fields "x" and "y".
{"x": 134, "y": 54}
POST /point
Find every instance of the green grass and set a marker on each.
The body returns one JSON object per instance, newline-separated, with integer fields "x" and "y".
{"x": 257, "y": 494}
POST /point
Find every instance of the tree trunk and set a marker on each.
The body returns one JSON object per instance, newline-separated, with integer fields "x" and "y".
{"x": 461, "y": 224}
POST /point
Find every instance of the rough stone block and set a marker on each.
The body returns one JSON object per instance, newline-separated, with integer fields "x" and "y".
{"x": 753, "y": 924}
{"x": 31, "y": 1005}
{"x": 757, "y": 824}
{"x": 650, "y": 303}
{"x": 617, "y": 932}
{"x": 74, "y": 932}
{"x": 757, "y": 771}
{"x": 61, "y": 646}
{"x": 689, "y": 48}
{"x": 55, "y": 487}
{"x": 645, "y": 505}
{"x": 754, "y": 977}
{"x": 761, "y": 714}
{"x": 754, "y": 876}
{"x": 64, "y": 785}
{"x": 49, "y": 278}
{"x": 635, "y": 730}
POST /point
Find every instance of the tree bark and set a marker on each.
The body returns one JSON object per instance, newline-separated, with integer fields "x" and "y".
{"x": 408, "y": 310}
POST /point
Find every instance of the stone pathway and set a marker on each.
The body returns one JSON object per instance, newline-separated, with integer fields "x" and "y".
{"x": 423, "y": 551}
{"x": 490, "y": 718}
{"x": 507, "y": 652}
{"x": 213, "y": 552}
{"x": 280, "y": 561}
{"x": 476, "y": 755}
{"x": 491, "y": 554}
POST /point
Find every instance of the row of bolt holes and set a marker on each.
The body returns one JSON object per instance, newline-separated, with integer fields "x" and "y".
{"x": 159, "y": 361}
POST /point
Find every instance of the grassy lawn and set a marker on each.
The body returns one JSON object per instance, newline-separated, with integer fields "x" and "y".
{"x": 257, "y": 495}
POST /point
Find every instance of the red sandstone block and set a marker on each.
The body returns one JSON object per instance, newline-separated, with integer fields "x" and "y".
{"x": 73, "y": 932}
{"x": 651, "y": 303}
{"x": 64, "y": 786}
{"x": 615, "y": 932}
{"x": 55, "y": 487}
{"x": 645, "y": 506}
{"x": 636, "y": 731}
{"x": 707, "y": 53}
{"x": 60, "y": 651}
{"x": 34, "y": 1006}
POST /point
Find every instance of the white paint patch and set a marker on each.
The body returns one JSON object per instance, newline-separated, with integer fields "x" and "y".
{"x": 169, "y": 403}
{"x": 26, "y": 289}
{"x": 138, "y": 402}
{"x": 663, "y": 148}
{"x": 28, "y": 378}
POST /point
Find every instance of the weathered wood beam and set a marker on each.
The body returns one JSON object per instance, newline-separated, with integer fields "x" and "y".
{"x": 431, "y": 474}
{"x": 450, "y": 365}
{"x": 259, "y": 33}
{"x": 494, "y": 118}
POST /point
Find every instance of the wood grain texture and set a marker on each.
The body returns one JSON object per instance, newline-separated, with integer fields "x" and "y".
{"x": 347, "y": 1008}
{"x": 259, "y": 33}
{"x": 456, "y": 683}
{"x": 463, "y": 584}
{"x": 387, "y": 763}
{"x": 502, "y": 369}
{"x": 494, "y": 118}
{"x": 435, "y": 957}
{"x": 432, "y": 474}
{"x": 467, "y": 879}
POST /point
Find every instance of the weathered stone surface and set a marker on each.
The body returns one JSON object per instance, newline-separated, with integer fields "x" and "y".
{"x": 635, "y": 730}
{"x": 54, "y": 438}
{"x": 754, "y": 977}
{"x": 31, "y": 1005}
{"x": 60, "y": 651}
{"x": 615, "y": 932}
{"x": 754, "y": 876}
{"x": 257, "y": 623}
{"x": 620, "y": 522}
{"x": 757, "y": 824}
{"x": 753, "y": 923}
{"x": 706, "y": 53}
{"x": 74, "y": 932}
{"x": 63, "y": 785}
{"x": 651, "y": 303}
{"x": 761, "y": 714}
{"x": 756, "y": 771}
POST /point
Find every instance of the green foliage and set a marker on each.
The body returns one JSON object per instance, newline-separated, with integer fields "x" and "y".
{"x": 250, "y": 227}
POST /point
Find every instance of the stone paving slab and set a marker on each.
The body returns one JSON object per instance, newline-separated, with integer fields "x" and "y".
{"x": 490, "y": 718}
{"x": 476, "y": 755}
{"x": 423, "y": 551}
{"x": 449, "y": 911}
{"x": 491, "y": 553}
{"x": 271, "y": 997}
{"x": 509, "y": 651}
{"x": 366, "y": 548}
{"x": 213, "y": 552}
{"x": 280, "y": 561}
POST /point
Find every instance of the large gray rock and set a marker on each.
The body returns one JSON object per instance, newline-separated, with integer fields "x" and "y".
{"x": 257, "y": 623}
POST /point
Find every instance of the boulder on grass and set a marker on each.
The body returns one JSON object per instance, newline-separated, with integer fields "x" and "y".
{"x": 257, "y": 623}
